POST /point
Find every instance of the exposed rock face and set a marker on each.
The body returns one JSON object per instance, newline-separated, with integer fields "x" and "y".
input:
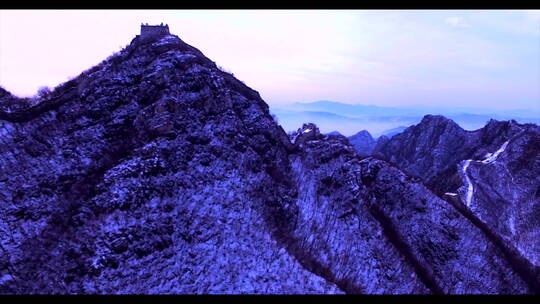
{"x": 155, "y": 172}
{"x": 363, "y": 143}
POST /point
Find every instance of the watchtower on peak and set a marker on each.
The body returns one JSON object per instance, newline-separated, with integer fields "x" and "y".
{"x": 148, "y": 31}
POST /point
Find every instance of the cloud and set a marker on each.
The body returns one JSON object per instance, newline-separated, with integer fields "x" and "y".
{"x": 457, "y": 22}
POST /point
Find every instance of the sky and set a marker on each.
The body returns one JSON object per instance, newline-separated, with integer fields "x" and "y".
{"x": 448, "y": 58}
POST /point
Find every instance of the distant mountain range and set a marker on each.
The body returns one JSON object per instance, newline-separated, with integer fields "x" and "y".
{"x": 349, "y": 119}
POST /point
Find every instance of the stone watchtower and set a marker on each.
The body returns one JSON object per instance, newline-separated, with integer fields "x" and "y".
{"x": 153, "y": 31}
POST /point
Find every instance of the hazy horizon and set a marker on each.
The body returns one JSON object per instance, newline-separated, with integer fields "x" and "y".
{"x": 350, "y": 119}
{"x": 392, "y": 58}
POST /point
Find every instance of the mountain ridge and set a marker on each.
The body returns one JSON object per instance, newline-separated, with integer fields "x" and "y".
{"x": 156, "y": 172}
{"x": 473, "y": 171}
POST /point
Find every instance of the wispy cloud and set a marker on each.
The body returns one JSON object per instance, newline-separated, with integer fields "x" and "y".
{"x": 457, "y": 22}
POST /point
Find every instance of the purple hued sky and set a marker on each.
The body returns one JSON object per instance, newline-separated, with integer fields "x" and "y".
{"x": 471, "y": 58}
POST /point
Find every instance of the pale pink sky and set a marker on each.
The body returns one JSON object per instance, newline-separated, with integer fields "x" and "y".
{"x": 391, "y": 57}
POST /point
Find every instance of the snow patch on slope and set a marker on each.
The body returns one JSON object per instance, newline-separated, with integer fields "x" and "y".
{"x": 470, "y": 188}
{"x": 492, "y": 157}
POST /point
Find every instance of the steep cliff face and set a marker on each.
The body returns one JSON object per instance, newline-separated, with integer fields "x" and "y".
{"x": 156, "y": 172}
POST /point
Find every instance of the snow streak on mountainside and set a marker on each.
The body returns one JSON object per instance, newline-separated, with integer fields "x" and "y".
{"x": 470, "y": 188}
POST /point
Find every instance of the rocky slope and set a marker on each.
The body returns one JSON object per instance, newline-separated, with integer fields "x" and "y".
{"x": 156, "y": 172}
{"x": 491, "y": 174}
{"x": 378, "y": 227}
